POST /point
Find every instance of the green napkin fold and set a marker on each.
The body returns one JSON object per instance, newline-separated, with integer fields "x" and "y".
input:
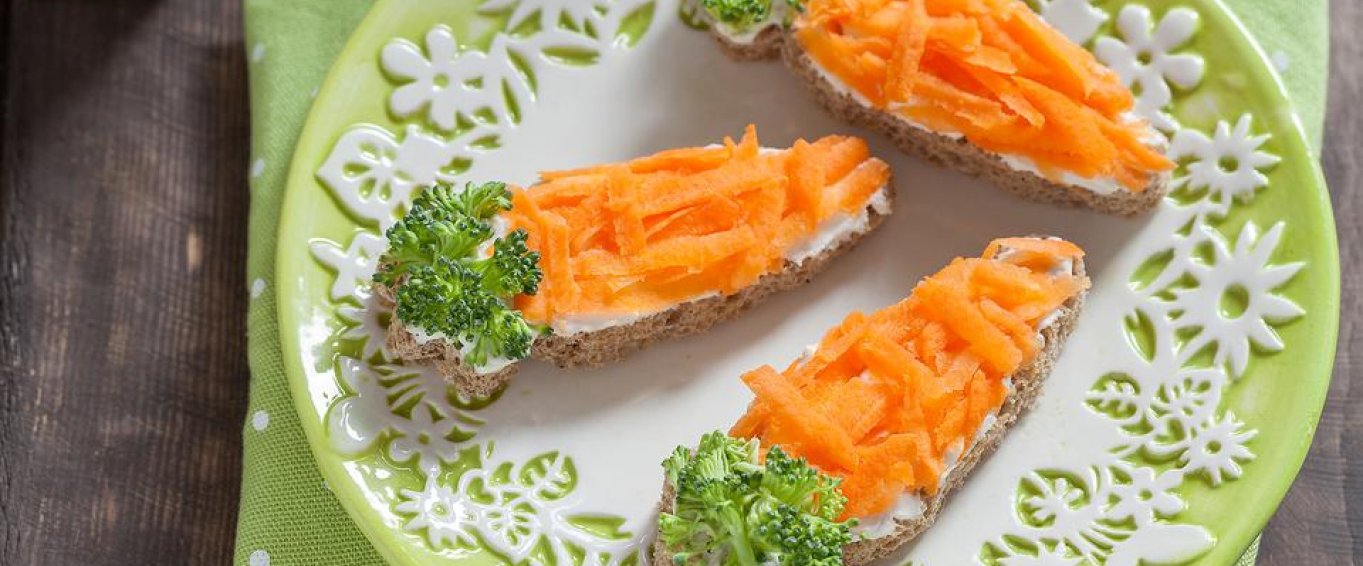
{"x": 288, "y": 516}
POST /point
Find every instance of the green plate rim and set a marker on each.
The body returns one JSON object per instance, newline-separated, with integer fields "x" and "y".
{"x": 1230, "y": 545}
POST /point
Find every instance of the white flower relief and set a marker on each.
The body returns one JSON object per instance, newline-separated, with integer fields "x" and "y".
{"x": 450, "y": 85}
{"x": 1228, "y": 165}
{"x": 435, "y": 424}
{"x": 1144, "y": 58}
{"x": 1056, "y": 500}
{"x": 354, "y": 265}
{"x": 1233, "y": 302}
{"x": 1115, "y": 513}
{"x": 362, "y": 173}
{"x": 1148, "y": 494}
{"x": 375, "y": 175}
{"x": 513, "y": 510}
{"x": 442, "y": 79}
{"x": 1077, "y": 19}
{"x": 1217, "y": 448}
{"x": 444, "y": 516}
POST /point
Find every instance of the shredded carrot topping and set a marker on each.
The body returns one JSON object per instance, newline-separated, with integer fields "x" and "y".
{"x": 641, "y": 236}
{"x": 990, "y": 70}
{"x": 885, "y": 398}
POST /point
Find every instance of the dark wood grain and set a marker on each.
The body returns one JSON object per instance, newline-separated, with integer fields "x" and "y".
{"x": 122, "y": 289}
{"x": 1321, "y": 521}
{"x": 122, "y": 349}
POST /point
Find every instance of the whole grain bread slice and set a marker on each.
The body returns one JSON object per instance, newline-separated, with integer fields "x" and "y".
{"x": 776, "y": 41}
{"x": 595, "y": 348}
{"x": 1027, "y": 382}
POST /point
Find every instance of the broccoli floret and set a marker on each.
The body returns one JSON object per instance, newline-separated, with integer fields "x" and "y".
{"x": 728, "y": 505}
{"x": 795, "y": 537}
{"x": 484, "y": 201}
{"x": 513, "y": 269}
{"x": 743, "y": 14}
{"x": 447, "y": 282}
{"x": 443, "y": 222}
{"x": 504, "y": 333}
{"x": 738, "y": 14}
{"x": 794, "y": 481}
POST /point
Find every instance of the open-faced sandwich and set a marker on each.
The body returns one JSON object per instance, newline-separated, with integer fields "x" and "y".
{"x": 983, "y": 86}
{"x": 591, "y": 264}
{"x": 852, "y": 450}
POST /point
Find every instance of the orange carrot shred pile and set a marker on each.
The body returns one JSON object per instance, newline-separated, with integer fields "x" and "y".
{"x": 641, "y": 236}
{"x": 885, "y": 398}
{"x": 990, "y": 70}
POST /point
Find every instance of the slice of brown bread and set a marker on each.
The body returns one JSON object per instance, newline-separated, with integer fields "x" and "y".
{"x": 953, "y": 152}
{"x": 1026, "y": 388}
{"x": 440, "y": 354}
{"x": 614, "y": 343}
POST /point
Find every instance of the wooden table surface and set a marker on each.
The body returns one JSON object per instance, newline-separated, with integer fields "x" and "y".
{"x": 123, "y": 208}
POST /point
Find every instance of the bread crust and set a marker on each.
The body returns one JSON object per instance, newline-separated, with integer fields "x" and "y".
{"x": 956, "y": 153}
{"x": 767, "y": 44}
{"x": 595, "y": 348}
{"x": 1027, "y": 387}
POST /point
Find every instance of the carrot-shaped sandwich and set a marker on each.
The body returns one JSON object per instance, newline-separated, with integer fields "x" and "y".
{"x": 983, "y": 86}
{"x": 852, "y": 450}
{"x": 593, "y": 263}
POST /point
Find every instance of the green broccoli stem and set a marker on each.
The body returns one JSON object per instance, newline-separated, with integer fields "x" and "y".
{"x": 739, "y": 544}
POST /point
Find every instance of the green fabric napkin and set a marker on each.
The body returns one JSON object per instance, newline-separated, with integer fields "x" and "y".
{"x": 288, "y": 516}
